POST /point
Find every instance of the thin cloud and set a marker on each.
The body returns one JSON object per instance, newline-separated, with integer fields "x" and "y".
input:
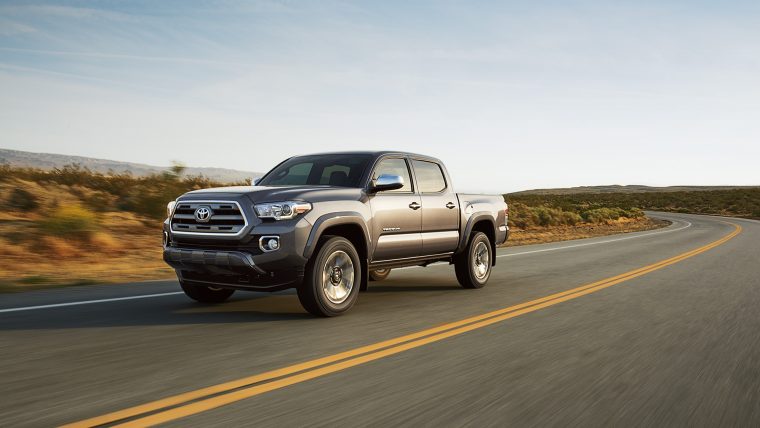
{"x": 82, "y": 77}
{"x": 123, "y": 56}
{"x": 10, "y": 28}
{"x": 64, "y": 12}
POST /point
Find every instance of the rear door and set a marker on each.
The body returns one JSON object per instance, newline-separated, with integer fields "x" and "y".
{"x": 440, "y": 208}
{"x": 397, "y": 217}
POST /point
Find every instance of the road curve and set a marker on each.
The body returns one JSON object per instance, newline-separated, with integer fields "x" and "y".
{"x": 651, "y": 328}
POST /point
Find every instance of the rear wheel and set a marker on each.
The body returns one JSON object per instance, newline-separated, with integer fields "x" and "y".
{"x": 379, "y": 274}
{"x": 473, "y": 266}
{"x": 332, "y": 278}
{"x": 206, "y": 294}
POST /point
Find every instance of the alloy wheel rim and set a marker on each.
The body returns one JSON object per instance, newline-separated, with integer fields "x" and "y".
{"x": 338, "y": 277}
{"x": 481, "y": 260}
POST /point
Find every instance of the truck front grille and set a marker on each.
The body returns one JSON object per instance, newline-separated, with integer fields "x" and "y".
{"x": 208, "y": 218}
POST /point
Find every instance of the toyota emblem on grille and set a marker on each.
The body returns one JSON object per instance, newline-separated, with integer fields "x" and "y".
{"x": 202, "y": 214}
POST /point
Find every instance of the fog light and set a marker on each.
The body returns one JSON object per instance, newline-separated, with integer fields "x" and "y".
{"x": 269, "y": 243}
{"x": 166, "y": 239}
{"x": 273, "y": 244}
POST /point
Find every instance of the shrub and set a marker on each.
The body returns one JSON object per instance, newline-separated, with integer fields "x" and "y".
{"x": 634, "y": 213}
{"x": 601, "y": 215}
{"x": 742, "y": 202}
{"x": 98, "y": 201}
{"x": 543, "y": 216}
{"x": 70, "y": 221}
{"x": 523, "y": 216}
{"x": 570, "y": 218}
{"x": 22, "y": 200}
{"x": 145, "y": 195}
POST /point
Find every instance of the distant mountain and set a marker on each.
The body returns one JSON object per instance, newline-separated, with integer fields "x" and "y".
{"x": 50, "y": 161}
{"x": 633, "y": 188}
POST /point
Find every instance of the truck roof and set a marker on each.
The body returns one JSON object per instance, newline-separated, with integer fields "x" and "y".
{"x": 375, "y": 153}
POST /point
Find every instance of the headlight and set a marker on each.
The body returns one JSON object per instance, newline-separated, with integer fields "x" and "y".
{"x": 170, "y": 208}
{"x": 282, "y": 210}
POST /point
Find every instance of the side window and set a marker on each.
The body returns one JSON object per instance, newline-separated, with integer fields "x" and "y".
{"x": 429, "y": 176}
{"x": 394, "y": 167}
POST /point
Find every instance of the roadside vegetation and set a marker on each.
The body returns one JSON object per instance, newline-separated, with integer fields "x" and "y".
{"x": 115, "y": 192}
{"x": 737, "y": 202}
{"x": 534, "y": 222}
{"x": 544, "y": 217}
{"x": 75, "y": 226}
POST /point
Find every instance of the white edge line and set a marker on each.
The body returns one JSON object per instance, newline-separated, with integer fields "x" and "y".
{"x": 147, "y": 296}
{"x": 89, "y": 302}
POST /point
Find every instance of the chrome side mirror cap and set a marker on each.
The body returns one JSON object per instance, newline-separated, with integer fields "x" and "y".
{"x": 387, "y": 182}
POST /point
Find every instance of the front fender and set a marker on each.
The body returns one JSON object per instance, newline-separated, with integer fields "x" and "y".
{"x": 335, "y": 219}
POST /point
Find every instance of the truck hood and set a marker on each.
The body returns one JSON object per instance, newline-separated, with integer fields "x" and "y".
{"x": 257, "y": 194}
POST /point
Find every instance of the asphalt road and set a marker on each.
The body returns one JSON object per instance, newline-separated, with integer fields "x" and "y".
{"x": 676, "y": 345}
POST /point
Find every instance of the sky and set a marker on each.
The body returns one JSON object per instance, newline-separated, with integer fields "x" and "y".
{"x": 510, "y": 95}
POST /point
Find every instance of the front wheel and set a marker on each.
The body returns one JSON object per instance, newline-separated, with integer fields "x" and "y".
{"x": 473, "y": 266}
{"x": 205, "y": 294}
{"x": 332, "y": 278}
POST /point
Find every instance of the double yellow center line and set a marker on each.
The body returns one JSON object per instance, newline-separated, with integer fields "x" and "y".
{"x": 204, "y": 399}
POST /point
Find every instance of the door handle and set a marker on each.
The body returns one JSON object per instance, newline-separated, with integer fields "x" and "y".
{"x": 450, "y": 205}
{"x": 415, "y": 206}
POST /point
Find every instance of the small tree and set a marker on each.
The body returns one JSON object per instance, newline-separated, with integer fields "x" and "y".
{"x": 177, "y": 168}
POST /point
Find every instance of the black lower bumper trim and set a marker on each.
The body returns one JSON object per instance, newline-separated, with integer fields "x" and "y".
{"x": 211, "y": 260}
{"x": 271, "y": 281}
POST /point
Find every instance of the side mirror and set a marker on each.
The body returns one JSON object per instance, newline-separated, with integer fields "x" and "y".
{"x": 387, "y": 182}
{"x": 256, "y": 180}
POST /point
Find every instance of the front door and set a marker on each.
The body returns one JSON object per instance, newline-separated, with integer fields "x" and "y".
{"x": 396, "y": 214}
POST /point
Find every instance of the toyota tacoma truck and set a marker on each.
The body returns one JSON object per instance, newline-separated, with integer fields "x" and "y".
{"x": 327, "y": 224}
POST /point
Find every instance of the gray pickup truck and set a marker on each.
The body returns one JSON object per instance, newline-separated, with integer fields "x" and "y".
{"x": 327, "y": 224}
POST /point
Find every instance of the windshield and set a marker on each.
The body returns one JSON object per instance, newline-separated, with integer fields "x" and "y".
{"x": 328, "y": 170}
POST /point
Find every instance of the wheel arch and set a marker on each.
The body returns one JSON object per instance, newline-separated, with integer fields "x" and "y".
{"x": 480, "y": 222}
{"x": 349, "y": 225}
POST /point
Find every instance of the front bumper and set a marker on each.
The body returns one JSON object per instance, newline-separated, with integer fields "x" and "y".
{"x": 228, "y": 269}
{"x": 238, "y": 262}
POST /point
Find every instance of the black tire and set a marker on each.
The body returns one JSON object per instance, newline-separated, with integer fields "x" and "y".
{"x": 206, "y": 294}
{"x": 379, "y": 274}
{"x": 473, "y": 270}
{"x": 325, "y": 290}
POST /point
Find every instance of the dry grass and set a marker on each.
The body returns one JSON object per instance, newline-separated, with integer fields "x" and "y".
{"x": 540, "y": 235}
{"x": 119, "y": 247}
{"x": 109, "y": 256}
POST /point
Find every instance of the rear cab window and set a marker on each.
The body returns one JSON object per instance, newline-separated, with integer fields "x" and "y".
{"x": 430, "y": 178}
